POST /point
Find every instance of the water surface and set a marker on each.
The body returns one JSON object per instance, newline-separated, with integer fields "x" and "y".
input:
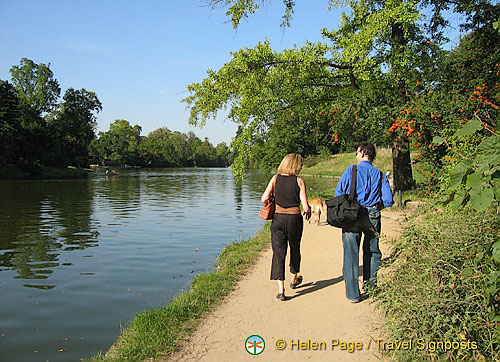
{"x": 80, "y": 258}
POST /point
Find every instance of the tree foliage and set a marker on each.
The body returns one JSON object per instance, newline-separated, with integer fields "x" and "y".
{"x": 10, "y": 114}
{"x": 269, "y": 92}
{"x": 361, "y": 80}
{"x": 74, "y": 125}
{"x": 36, "y": 85}
{"x": 39, "y": 128}
{"x": 315, "y": 79}
{"x": 122, "y": 144}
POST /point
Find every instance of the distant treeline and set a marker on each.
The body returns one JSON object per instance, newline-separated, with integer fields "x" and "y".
{"x": 122, "y": 144}
{"x": 37, "y": 129}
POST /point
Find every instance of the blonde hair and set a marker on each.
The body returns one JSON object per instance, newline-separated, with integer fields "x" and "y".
{"x": 291, "y": 164}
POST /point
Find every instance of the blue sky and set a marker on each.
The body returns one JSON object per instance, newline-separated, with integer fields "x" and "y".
{"x": 138, "y": 56}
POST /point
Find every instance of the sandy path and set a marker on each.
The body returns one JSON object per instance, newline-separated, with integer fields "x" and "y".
{"x": 317, "y": 311}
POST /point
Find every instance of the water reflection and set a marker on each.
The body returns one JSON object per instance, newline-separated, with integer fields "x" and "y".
{"x": 39, "y": 219}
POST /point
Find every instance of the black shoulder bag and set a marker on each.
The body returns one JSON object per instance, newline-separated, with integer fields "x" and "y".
{"x": 342, "y": 211}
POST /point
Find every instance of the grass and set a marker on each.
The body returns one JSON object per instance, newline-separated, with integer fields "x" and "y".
{"x": 158, "y": 332}
{"x": 437, "y": 288}
{"x": 336, "y": 164}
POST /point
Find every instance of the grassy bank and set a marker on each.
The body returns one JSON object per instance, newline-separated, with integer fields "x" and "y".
{"x": 335, "y": 165}
{"x": 159, "y": 331}
{"x": 443, "y": 286}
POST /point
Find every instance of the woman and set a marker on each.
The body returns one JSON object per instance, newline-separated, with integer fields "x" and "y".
{"x": 287, "y": 225}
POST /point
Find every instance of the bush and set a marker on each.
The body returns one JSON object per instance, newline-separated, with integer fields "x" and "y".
{"x": 444, "y": 286}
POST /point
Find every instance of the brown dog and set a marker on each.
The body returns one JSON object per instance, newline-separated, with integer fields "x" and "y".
{"x": 316, "y": 206}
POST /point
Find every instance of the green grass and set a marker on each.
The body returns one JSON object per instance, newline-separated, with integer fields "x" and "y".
{"x": 437, "y": 287}
{"x": 336, "y": 165}
{"x": 159, "y": 331}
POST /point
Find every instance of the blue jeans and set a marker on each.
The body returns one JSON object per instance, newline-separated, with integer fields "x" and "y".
{"x": 368, "y": 223}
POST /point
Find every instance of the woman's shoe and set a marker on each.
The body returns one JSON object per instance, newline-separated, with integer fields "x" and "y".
{"x": 295, "y": 285}
{"x": 281, "y": 296}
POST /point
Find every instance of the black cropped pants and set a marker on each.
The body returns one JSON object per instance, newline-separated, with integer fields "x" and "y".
{"x": 285, "y": 229}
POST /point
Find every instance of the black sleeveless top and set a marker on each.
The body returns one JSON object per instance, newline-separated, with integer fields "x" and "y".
{"x": 287, "y": 191}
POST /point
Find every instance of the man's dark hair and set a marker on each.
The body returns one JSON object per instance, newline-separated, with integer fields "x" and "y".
{"x": 369, "y": 150}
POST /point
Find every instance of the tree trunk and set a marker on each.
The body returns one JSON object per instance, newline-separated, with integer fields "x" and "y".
{"x": 401, "y": 163}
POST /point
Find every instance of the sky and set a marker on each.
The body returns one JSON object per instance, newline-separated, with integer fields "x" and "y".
{"x": 139, "y": 56}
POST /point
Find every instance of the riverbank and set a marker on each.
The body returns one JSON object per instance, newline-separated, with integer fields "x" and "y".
{"x": 159, "y": 331}
{"x": 44, "y": 173}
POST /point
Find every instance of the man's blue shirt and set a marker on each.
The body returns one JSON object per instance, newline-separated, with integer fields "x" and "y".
{"x": 367, "y": 185}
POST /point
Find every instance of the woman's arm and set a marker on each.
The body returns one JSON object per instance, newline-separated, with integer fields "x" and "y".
{"x": 303, "y": 197}
{"x": 269, "y": 189}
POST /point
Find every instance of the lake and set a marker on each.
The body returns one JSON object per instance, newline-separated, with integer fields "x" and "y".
{"x": 80, "y": 258}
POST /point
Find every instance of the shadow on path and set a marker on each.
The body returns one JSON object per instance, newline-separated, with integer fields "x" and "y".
{"x": 314, "y": 286}
{"x": 320, "y": 284}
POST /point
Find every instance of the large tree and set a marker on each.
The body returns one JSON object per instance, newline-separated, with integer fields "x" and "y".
{"x": 74, "y": 126}
{"x": 36, "y": 85}
{"x": 378, "y": 45}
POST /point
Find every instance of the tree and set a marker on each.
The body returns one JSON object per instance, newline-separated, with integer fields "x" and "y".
{"x": 223, "y": 155}
{"x": 74, "y": 125}
{"x": 378, "y": 42}
{"x": 36, "y": 85}
{"x": 119, "y": 144}
{"x": 204, "y": 154}
{"x": 156, "y": 149}
{"x": 265, "y": 91}
{"x": 10, "y": 114}
{"x": 180, "y": 148}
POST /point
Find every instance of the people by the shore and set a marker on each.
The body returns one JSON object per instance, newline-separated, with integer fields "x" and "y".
{"x": 373, "y": 193}
{"x": 287, "y": 225}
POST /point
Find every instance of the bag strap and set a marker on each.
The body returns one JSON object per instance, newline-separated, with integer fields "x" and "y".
{"x": 352, "y": 191}
{"x": 381, "y": 203}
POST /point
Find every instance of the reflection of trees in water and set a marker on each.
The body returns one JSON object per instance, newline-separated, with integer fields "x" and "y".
{"x": 257, "y": 180}
{"x": 122, "y": 194}
{"x": 40, "y": 218}
{"x": 188, "y": 186}
{"x": 238, "y": 196}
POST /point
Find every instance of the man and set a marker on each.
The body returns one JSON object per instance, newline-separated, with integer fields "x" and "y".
{"x": 373, "y": 193}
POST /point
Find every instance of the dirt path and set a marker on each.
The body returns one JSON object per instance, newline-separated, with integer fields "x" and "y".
{"x": 317, "y": 311}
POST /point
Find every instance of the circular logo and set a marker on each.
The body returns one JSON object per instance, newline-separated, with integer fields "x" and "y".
{"x": 255, "y": 345}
